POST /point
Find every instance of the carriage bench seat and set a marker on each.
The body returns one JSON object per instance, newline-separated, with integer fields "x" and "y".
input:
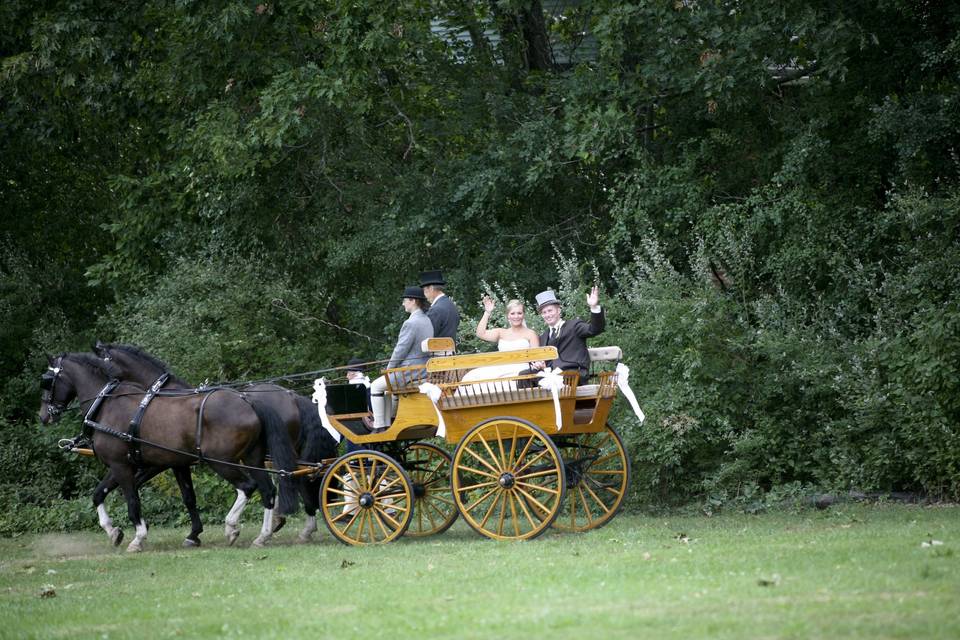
{"x": 482, "y": 392}
{"x": 500, "y": 391}
{"x": 599, "y": 355}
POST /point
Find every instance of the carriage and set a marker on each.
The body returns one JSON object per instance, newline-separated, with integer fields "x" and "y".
{"x": 530, "y": 451}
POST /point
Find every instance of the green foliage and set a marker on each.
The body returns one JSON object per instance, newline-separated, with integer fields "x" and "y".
{"x": 220, "y": 319}
{"x": 767, "y": 195}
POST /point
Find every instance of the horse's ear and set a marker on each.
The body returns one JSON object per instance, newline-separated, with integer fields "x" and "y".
{"x": 98, "y": 348}
{"x": 50, "y": 359}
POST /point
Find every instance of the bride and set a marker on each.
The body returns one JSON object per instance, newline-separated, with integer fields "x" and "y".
{"x": 516, "y": 336}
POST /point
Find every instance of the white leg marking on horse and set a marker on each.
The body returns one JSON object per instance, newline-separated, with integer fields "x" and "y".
{"x": 266, "y": 531}
{"x": 309, "y": 527}
{"x": 232, "y": 525}
{"x": 114, "y": 533}
{"x": 137, "y": 543}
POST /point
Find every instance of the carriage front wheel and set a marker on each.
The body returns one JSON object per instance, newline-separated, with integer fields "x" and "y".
{"x": 433, "y": 507}
{"x": 366, "y": 498}
{"x": 598, "y": 474}
{"x": 508, "y": 479}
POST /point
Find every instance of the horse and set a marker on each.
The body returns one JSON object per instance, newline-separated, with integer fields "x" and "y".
{"x": 297, "y": 412}
{"x": 217, "y": 426}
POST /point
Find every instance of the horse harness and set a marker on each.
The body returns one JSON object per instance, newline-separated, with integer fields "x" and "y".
{"x": 132, "y": 436}
{"x": 135, "y": 455}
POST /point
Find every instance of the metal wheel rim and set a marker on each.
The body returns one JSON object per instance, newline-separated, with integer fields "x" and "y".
{"x": 434, "y": 511}
{"x": 366, "y": 498}
{"x": 602, "y": 467}
{"x": 508, "y": 479}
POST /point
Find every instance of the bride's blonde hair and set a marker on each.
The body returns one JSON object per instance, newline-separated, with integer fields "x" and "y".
{"x": 511, "y": 304}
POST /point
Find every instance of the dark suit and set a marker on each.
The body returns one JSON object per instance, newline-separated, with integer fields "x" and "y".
{"x": 445, "y": 317}
{"x": 571, "y": 343}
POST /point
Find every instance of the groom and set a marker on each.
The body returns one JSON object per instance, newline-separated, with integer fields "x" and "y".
{"x": 568, "y": 336}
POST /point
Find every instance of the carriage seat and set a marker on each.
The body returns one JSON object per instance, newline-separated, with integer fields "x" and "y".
{"x": 600, "y": 361}
{"x": 438, "y": 346}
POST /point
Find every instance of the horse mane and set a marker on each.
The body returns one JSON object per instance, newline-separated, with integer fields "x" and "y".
{"x": 138, "y": 352}
{"x": 93, "y": 363}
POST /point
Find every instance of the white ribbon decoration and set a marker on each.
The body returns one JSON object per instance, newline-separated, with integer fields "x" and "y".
{"x": 623, "y": 379}
{"x": 320, "y": 399}
{"x": 552, "y": 379}
{"x": 433, "y": 392}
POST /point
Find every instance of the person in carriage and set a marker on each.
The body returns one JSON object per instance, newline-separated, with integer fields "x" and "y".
{"x": 514, "y": 337}
{"x": 443, "y": 313}
{"x": 569, "y": 337}
{"x": 408, "y": 351}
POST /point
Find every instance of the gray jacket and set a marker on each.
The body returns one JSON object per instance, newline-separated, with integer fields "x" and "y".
{"x": 414, "y": 331}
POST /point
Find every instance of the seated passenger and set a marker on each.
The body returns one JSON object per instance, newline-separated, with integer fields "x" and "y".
{"x": 569, "y": 337}
{"x": 414, "y": 331}
{"x": 516, "y": 336}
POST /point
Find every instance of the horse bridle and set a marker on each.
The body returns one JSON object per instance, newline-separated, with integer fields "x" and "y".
{"x": 47, "y": 381}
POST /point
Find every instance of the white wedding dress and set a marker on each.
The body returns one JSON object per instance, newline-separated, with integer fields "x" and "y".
{"x": 500, "y": 370}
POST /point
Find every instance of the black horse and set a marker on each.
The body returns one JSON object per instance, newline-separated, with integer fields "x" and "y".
{"x": 297, "y": 412}
{"x": 218, "y": 426}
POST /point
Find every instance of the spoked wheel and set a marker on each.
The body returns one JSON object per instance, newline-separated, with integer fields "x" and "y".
{"x": 508, "y": 479}
{"x": 433, "y": 507}
{"x": 598, "y": 474}
{"x": 367, "y": 498}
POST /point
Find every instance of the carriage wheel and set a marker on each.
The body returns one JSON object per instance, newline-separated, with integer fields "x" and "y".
{"x": 367, "y": 498}
{"x": 598, "y": 474}
{"x": 508, "y": 479}
{"x": 433, "y": 508}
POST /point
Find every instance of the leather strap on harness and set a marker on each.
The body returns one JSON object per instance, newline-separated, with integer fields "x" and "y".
{"x": 135, "y": 455}
{"x": 207, "y": 392}
{"x": 89, "y": 420}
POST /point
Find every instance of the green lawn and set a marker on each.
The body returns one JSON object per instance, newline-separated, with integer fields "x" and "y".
{"x": 853, "y": 571}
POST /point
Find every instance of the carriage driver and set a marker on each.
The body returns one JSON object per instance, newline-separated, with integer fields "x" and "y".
{"x": 408, "y": 351}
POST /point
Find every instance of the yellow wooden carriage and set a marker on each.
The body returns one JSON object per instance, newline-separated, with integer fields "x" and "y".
{"x": 525, "y": 458}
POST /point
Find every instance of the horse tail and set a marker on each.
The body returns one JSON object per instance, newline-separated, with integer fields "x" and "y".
{"x": 316, "y": 443}
{"x": 282, "y": 453}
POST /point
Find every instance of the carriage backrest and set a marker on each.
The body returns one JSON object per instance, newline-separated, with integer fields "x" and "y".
{"x": 346, "y": 398}
{"x": 438, "y": 346}
{"x": 604, "y": 359}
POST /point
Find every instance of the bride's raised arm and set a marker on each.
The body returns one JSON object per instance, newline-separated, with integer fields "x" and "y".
{"x": 490, "y": 335}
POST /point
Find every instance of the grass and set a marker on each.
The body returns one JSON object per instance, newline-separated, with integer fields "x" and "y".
{"x": 854, "y": 571}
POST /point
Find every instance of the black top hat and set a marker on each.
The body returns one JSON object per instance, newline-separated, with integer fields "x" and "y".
{"x": 414, "y": 292}
{"x": 355, "y": 364}
{"x": 431, "y": 277}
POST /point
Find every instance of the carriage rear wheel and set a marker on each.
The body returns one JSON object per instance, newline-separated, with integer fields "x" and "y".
{"x": 598, "y": 474}
{"x": 367, "y": 498}
{"x": 433, "y": 508}
{"x": 508, "y": 479}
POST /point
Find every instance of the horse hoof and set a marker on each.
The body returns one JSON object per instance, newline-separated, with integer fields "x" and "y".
{"x": 303, "y": 539}
{"x": 280, "y": 521}
{"x": 116, "y": 537}
{"x": 259, "y": 542}
{"x": 232, "y": 537}
{"x": 189, "y": 542}
{"x": 134, "y": 547}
